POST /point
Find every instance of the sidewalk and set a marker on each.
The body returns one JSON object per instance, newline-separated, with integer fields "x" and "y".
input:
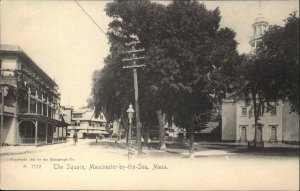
{"x": 25, "y": 149}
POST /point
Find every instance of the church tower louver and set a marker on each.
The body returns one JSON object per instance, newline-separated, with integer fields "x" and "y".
{"x": 259, "y": 28}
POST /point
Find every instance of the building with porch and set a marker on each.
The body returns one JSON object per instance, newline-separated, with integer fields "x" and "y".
{"x": 86, "y": 124}
{"x": 30, "y": 102}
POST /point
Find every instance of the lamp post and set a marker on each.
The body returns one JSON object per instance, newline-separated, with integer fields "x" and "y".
{"x": 130, "y": 112}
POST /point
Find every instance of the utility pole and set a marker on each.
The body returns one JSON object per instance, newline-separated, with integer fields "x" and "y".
{"x": 1, "y": 113}
{"x": 134, "y": 66}
{"x": 2, "y": 89}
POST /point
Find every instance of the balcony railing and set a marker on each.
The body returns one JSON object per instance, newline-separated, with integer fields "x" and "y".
{"x": 26, "y": 140}
{"x": 11, "y": 80}
{"x": 31, "y": 140}
{"x": 8, "y": 109}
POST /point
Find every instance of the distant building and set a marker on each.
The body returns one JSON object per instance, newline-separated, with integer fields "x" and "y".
{"x": 30, "y": 102}
{"x": 277, "y": 125}
{"x": 86, "y": 125}
{"x": 67, "y": 112}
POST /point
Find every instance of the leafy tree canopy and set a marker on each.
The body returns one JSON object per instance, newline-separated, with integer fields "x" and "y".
{"x": 188, "y": 60}
{"x": 279, "y": 52}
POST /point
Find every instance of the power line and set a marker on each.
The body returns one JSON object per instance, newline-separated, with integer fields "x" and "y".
{"x": 90, "y": 17}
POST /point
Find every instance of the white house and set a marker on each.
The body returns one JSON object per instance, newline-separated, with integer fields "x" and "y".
{"x": 277, "y": 125}
{"x": 86, "y": 125}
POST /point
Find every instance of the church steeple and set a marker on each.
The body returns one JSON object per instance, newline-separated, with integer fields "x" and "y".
{"x": 259, "y": 26}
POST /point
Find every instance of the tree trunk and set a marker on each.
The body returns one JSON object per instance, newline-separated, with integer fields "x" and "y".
{"x": 255, "y": 132}
{"x": 255, "y": 120}
{"x": 161, "y": 121}
{"x": 126, "y": 135}
{"x": 146, "y": 134}
{"x": 192, "y": 141}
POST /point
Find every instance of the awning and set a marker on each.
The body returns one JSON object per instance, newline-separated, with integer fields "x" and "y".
{"x": 101, "y": 132}
{"x": 98, "y": 132}
{"x": 97, "y": 128}
{"x": 37, "y": 117}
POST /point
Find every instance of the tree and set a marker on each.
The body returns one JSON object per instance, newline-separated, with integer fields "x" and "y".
{"x": 188, "y": 59}
{"x": 280, "y": 51}
{"x": 193, "y": 48}
{"x": 252, "y": 87}
{"x": 272, "y": 73}
{"x": 112, "y": 86}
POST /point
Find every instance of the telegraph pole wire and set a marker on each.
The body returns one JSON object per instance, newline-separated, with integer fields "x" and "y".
{"x": 89, "y": 17}
{"x": 134, "y": 66}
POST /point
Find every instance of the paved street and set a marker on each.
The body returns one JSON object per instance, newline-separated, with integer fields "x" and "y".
{"x": 104, "y": 165}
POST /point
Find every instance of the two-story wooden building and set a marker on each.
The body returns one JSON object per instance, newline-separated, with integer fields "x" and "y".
{"x": 30, "y": 101}
{"x": 86, "y": 124}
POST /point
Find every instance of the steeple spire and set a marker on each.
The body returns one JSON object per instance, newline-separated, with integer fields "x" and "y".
{"x": 259, "y": 26}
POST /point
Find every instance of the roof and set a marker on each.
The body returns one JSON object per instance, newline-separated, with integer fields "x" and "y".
{"x": 88, "y": 115}
{"x": 82, "y": 110}
{"x": 211, "y": 126}
{"x": 32, "y": 116}
{"x": 16, "y": 50}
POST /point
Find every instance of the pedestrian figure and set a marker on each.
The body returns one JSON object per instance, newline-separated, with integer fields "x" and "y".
{"x": 75, "y": 138}
{"x": 116, "y": 139}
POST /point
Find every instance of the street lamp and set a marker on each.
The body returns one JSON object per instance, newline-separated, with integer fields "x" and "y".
{"x": 130, "y": 112}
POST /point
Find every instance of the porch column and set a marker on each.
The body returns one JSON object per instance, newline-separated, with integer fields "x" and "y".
{"x": 57, "y": 134}
{"x": 28, "y": 108}
{"x": 42, "y": 104}
{"x": 36, "y": 133}
{"x": 46, "y": 133}
{"x": 36, "y": 102}
{"x": 2, "y": 114}
{"x": 47, "y": 106}
{"x": 63, "y": 137}
{"x": 17, "y": 133}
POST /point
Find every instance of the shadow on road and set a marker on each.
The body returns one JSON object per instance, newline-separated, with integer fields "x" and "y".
{"x": 270, "y": 151}
{"x": 109, "y": 144}
{"x": 177, "y": 148}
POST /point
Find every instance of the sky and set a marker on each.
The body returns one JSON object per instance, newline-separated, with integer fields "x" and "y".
{"x": 62, "y": 40}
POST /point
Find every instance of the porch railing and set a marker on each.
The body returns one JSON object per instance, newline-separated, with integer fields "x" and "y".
{"x": 26, "y": 140}
{"x": 9, "y": 109}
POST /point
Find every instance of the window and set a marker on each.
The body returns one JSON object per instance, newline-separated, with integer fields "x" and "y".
{"x": 273, "y": 111}
{"x": 273, "y": 135}
{"x": 244, "y": 111}
{"x": 243, "y": 134}
{"x": 10, "y": 65}
{"x": 260, "y": 30}
{"x": 261, "y": 110}
{"x": 79, "y": 115}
